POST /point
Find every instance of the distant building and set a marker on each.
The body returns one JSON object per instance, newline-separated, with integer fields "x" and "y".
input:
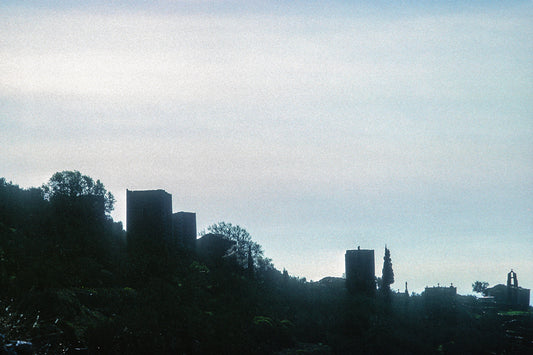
{"x": 440, "y": 293}
{"x": 332, "y": 282}
{"x": 184, "y": 227}
{"x": 212, "y": 248}
{"x": 149, "y": 216}
{"x": 511, "y": 295}
{"x": 360, "y": 271}
{"x": 440, "y": 301}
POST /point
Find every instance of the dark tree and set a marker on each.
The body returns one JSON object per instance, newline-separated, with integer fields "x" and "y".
{"x": 67, "y": 185}
{"x": 387, "y": 278}
{"x": 243, "y": 247}
{"x": 480, "y": 286}
{"x": 81, "y": 236}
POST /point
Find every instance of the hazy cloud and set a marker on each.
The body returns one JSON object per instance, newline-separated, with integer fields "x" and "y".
{"x": 304, "y": 123}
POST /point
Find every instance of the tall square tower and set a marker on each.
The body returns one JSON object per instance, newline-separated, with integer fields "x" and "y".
{"x": 149, "y": 216}
{"x": 360, "y": 271}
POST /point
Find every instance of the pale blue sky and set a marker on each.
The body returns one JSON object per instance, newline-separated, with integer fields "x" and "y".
{"x": 318, "y": 127}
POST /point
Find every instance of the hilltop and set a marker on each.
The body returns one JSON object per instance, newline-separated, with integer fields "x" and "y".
{"x": 69, "y": 283}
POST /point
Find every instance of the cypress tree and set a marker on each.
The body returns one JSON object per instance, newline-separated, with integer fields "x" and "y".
{"x": 387, "y": 277}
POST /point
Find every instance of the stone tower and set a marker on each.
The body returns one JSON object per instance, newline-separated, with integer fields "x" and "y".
{"x": 360, "y": 271}
{"x": 149, "y": 216}
{"x": 184, "y": 227}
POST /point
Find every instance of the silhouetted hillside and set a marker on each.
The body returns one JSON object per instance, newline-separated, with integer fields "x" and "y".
{"x": 68, "y": 283}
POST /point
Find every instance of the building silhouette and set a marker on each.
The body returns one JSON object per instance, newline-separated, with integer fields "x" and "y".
{"x": 213, "y": 248}
{"x": 360, "y": 271}
{"x": 440, "y": 293}
{"x": 440, "y": 301}
{"x": 512, "y": 295}
{"x": 149, "y": 216}
{"x": 184, "y": 228}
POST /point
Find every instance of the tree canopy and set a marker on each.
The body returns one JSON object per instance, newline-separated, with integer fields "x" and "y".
{"x": 72, "y": 184}
{"x": 243, "y": 244}
{"x": 480, "y": 286}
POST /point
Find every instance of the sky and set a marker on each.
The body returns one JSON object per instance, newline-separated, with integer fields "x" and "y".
{"x": 317, "y": 126}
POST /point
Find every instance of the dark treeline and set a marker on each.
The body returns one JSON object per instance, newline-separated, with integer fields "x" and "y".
{"x": 70, "y": 284}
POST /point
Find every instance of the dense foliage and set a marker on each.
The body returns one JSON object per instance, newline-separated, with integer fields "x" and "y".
{"x": 68, "y": 283}
{"x": 244, "y": 246}
{"x": 480, "y": 286}
{"x": 69, "y": 185}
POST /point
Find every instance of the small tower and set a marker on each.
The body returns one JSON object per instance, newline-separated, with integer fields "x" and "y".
{"x": 184, "y": 228}
{"x": 511, "y": 276}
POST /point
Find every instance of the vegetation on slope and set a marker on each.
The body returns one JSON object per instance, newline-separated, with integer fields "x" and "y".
{"x": 68, "y": 283}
